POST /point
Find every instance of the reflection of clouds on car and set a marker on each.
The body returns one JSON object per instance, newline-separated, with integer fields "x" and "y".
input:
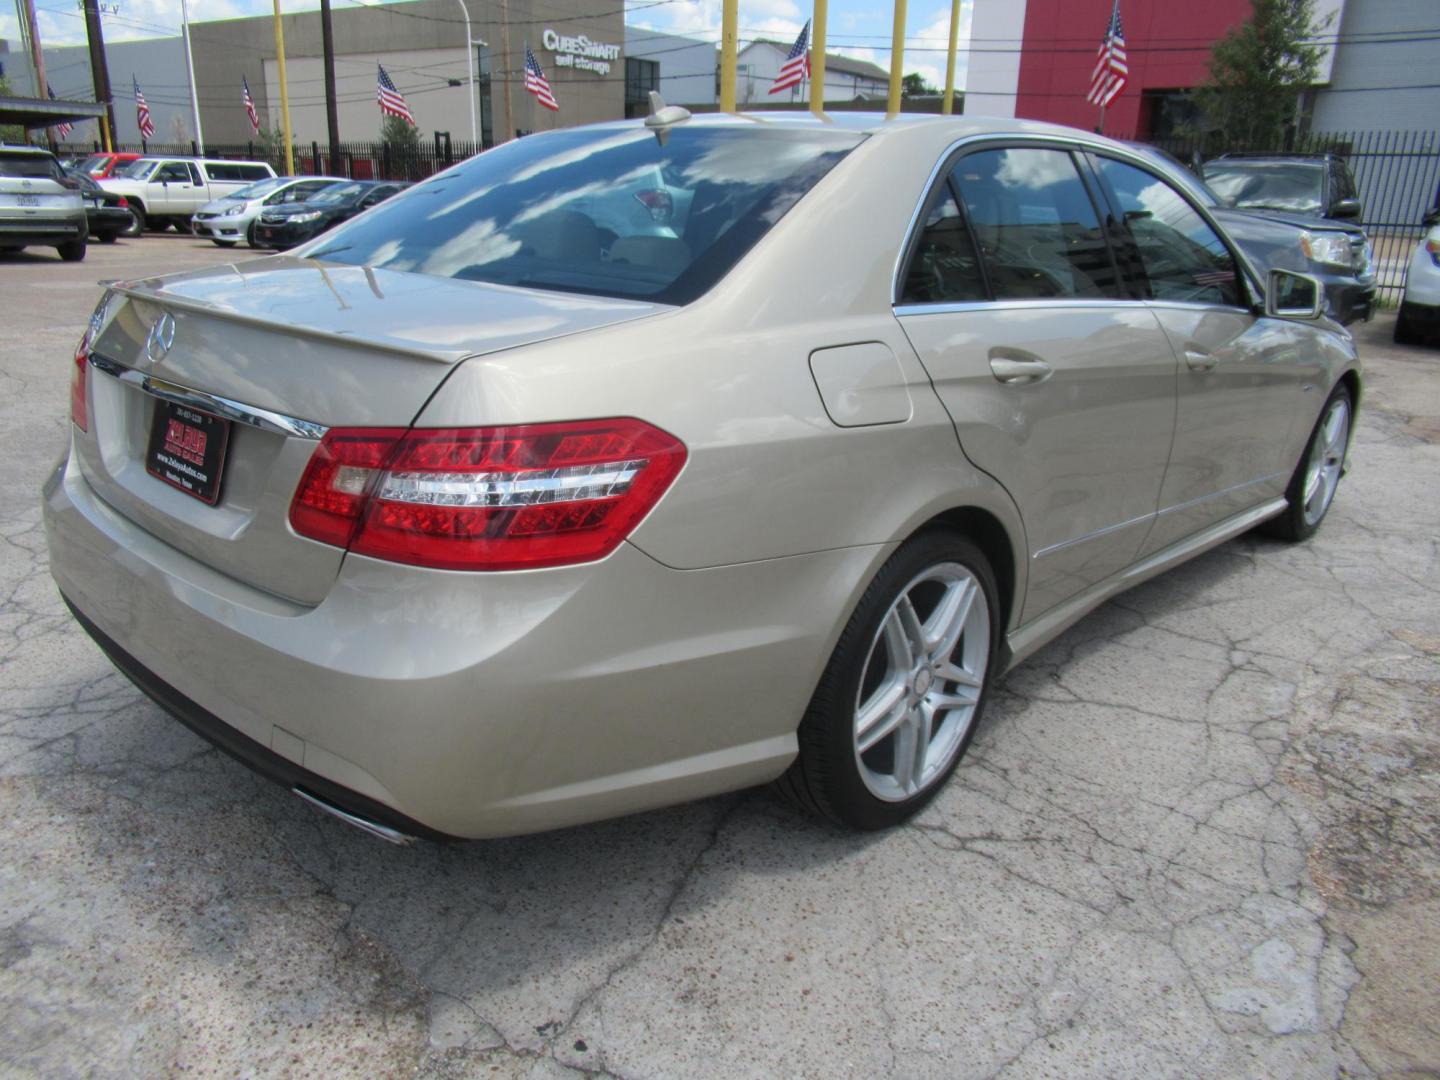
{"x": 1023, "y": 169}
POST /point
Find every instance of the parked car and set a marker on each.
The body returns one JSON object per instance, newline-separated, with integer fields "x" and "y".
{"x": 1419, "y": 316}
{"x": 1337, "y": 253}
{"x": 107, "y": 213}
{"x": 284, "y": 226}
{"x": 101, "y": 165}
{"x": 1309, "y": 185}
{"x": 459, "y": 521}
{"x": 231, "y": 219}
{"x": 164, "y": 191}
{"x": 39, "y": 204}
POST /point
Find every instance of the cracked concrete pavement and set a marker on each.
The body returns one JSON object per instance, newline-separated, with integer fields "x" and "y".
{"x": 1197, "y": 836}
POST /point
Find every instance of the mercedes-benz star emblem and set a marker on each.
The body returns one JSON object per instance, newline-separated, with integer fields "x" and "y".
{"x": 160, "y": 338}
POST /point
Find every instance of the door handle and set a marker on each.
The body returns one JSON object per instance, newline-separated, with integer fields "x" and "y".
{"x": 1199, "y": 359}
{"x": 1017, "y": 367}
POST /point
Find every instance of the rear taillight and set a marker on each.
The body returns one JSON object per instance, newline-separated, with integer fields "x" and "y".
{"x": 79, "y": 412}
{"x": 124, "y": 203}
{"x": 505, "y": 498}
{"x": 659, "y": 202}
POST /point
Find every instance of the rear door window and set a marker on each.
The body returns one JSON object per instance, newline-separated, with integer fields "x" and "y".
{"x": 944, "y": 267}
{"x": 609, "y": 211}
{"x": 1180, "y": 257}
{"x": 1036, "y": 226}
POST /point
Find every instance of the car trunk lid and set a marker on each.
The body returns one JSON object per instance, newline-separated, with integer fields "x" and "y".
{"x": 283, "y": 349}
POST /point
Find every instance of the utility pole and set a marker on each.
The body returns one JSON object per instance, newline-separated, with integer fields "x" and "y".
{"x": 332, "y": 113}
{"x": 948, "y": 104}
{"x": 506, "y": 69}
{"x": 729, "y": 52}
{"x": 100, "y": 72}
{"x": 37, "y": 59}
{"x": 817, "y": 59}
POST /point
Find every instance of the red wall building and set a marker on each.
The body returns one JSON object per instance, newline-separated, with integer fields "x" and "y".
{"x": 1168, "y": 43}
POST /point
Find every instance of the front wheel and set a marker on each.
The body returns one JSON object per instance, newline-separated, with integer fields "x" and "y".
{"x": 137, "y": 222}
{"x": 1405, "y": 332}
{"x": 904, "y": 690}
{"x": 1312, "y": 487}
{"x": 223, "y": 243}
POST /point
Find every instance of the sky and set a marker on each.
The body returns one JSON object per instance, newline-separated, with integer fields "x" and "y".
{"x": 857, "y": 28}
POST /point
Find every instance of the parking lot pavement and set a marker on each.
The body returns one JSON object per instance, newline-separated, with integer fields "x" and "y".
{"x": 1197, "y": 836}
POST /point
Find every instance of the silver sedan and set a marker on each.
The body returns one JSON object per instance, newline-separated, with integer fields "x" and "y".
{"x": 479, "y": 515}
{"x": 230, "y": 219}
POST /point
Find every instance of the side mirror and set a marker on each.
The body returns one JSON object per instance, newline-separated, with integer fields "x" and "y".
{"x": 1289, "y": 295}
{"x": 1346, "y": 209}
{"x": 1431, "y": 218}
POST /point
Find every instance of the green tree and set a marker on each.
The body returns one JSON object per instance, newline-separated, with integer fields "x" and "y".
{"x": 914, "y": 85}
{"x": 1257, "y": 72}
{"x": 400, "y": 143}
{"x": 10, "y": 133}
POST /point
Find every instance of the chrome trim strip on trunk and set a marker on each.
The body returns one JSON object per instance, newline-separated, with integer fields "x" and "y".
{"x": 374, "y": 828}
{"x": 228, "y": 408}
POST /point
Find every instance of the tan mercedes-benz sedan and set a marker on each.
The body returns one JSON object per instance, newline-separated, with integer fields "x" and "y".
{"x": 628, "y": 464}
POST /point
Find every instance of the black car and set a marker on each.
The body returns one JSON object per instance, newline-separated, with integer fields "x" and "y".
{"x": 1330, "y": 248}
{"x": 282, "y": 227}
{"x": 107, "y": 213}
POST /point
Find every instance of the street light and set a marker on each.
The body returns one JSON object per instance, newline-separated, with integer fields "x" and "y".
{"x": 470, "y": 63}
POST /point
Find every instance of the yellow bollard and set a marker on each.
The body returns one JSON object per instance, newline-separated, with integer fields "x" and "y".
{"x": 897, "y": 59}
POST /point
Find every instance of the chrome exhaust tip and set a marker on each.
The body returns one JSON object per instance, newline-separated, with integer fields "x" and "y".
{"x": 374, "y": 828}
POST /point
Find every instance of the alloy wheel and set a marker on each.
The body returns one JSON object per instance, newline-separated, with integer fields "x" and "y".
{"x": 924, "y": 674}
{"x": 1327, "y": 459}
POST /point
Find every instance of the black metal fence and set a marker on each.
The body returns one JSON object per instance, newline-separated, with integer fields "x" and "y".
{"x": 1397, "y": 173}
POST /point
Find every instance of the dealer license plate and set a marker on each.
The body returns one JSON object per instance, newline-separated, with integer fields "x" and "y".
{"x": 29, "y": 200}
{"x": 187, "y": 450}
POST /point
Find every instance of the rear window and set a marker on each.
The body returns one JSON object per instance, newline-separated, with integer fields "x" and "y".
{"x": 33, "y": 166}
{"x": 607, "y": 212}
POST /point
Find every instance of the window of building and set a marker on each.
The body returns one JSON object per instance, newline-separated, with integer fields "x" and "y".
{"x": 641, "y": 76}
{"x": 1181, "y": 256}
{"x": 1035, "y": 225}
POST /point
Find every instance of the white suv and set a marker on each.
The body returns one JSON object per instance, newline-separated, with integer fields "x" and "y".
{"x": 165, "y": 191}
{"x": 39, "y": 204}
{"x": 1420, "y": 306}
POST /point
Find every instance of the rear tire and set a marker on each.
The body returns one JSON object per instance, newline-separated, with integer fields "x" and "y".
{"x": 74, "y": 251}
{"x": 905, "y": 688}
{"x": 1405, "y": 332}
{"x": 1317, "y": 476}
{"x": 107, "y": 237}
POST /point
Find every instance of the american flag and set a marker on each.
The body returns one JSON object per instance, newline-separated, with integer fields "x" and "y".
{"x": 249, "y": 105}
{"x": 1111, "y": 71}
{"x": 392, "y": 102}
{"x": 536, "y": 82}
{"x": 64, "y": 127}
{"x": 796, "y": 68}
{"x": 142, "y": 113}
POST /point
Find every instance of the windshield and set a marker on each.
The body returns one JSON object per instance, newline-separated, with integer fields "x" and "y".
{"x": 338, "y": 194}
{"x": 1267, "y": 185}
{"x": 94, "y": 164}
{"x": 261, "y": 187}
{"x": 138, "y": 169}
{"x": 608, "y": 211}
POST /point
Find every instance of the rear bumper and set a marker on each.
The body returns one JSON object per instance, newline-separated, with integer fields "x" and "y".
{"x": 471, "y": 705}
{"x": 46, "y": 230}
{"x": 108, "y": 219}
{"x": 1421, "y": 315}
